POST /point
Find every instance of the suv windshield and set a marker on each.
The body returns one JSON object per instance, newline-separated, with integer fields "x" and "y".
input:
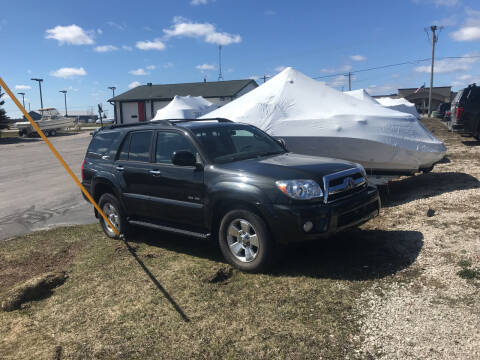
{"x": 237, "y": 142}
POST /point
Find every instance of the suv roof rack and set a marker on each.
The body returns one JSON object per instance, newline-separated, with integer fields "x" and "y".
{"x": 169, "y": 122}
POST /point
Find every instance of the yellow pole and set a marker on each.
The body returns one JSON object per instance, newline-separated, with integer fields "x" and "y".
{"x": 58, "y": 156}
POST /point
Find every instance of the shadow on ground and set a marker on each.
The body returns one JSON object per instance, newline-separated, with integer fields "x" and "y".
{"x": 425, "y": 186}
{"x": 353, "y": 255}
{"x": 471, "y": 143}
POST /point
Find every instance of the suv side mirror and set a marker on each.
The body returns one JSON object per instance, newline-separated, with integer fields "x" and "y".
{"x": 184, "y": 158}
{"x": 282, "y": 142}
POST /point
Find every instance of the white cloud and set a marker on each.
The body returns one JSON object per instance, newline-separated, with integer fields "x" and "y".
{"x": 134, "y": 84}
{"x": 185, "y": 28}
{"x": 451, "y": 20}
{"x": 167, "y": 65}
{"x": 105, "y": 48}
{"x": 280, "y": 68}
{"x": 138, "y": 72}
{"x": 205, "y": 67}
{"x": 200, "y": 2}
{"x": 450, "y": 65}
{"x": 22, "y": 87}
{"x": 470, "y": 30}
{"x": 467, "y": 33}
{"x": 99, "y": 31}
{"x": 71, "y": 34}
{"x": 151, "y": 67}
{"x": 68, "y": 72}
{"x": 156, "y": 44}
{"x": 127, "y": 48}
{"x": 358, "y": 58}
{"x": 447, "y": 3}
{"x": 254, "y": 77}
{"x": 116, "y": 25}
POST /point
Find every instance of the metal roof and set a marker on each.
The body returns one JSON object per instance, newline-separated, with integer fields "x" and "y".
{"x": 168, "y": 91}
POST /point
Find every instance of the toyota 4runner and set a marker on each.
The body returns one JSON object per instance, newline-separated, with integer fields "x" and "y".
{"x": 222, "y": 180}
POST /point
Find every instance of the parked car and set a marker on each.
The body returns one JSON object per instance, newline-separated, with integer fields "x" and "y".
{"x": 465, "y": 111}
{"x": 227, "y": 181}
{"x": 442, "y": 109}
{"x": 105, "y": 121}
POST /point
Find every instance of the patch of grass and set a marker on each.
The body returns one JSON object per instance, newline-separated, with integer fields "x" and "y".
{"x": 464, "y": 263}
{"x": 469, "y": 274}
{"x": 10, "y": 134}
{"x": 150, "y": 299}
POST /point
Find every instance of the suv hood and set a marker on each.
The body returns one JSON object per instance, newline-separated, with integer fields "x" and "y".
{"x": 289, "y": 166}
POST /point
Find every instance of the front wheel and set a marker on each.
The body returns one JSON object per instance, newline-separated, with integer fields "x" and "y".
{"x": 112, "y": 210}
{"x": 245, "y": 241}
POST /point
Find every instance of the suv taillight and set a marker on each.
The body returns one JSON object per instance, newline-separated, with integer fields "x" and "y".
{"x": 459, "y": 112}
{"x": 81, "y": 172}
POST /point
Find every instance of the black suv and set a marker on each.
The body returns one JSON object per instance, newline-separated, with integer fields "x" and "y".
{"x": 465, "y": 111}
{"x": 223, "y": 180}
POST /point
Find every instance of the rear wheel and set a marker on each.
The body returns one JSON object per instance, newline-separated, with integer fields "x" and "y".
{"x": 245, "y": 241}
{"x": 53, "y": 132}
{"x": 112, "y": 210}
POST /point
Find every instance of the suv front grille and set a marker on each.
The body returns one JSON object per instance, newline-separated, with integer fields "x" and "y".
{"x": 342, "y": 184}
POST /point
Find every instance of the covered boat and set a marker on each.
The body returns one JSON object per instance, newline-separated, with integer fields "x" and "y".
{"x": 362, "y": 94}
{"x": 185, "y": 107}
{"x": 401, "y": 104}
{"x": 315, "y": 119}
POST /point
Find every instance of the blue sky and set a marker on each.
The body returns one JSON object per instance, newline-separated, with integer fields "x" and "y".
{"x": 86, "y": 46}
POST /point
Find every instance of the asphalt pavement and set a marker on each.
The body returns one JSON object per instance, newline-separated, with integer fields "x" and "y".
{"x": 35, "y": 191}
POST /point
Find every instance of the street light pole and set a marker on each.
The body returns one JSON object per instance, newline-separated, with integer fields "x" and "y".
{"x": 23, "y": 98}
{"x": 113, "y": 90}
{"x": 434, "y": 41}
{"x": 65, "y": 94}
{"x": 40, "y": 87}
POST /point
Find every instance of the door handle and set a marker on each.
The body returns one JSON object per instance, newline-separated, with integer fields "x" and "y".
{"x": 155, "y": 172}
{"x": 120, "y": 168}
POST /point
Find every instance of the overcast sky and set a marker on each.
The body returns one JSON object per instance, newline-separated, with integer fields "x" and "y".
{"x": 86, "y": 46}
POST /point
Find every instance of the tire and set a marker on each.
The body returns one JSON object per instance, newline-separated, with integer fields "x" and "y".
{"x": 47, "y": 133}
{"x": 237, "y": 230}
{"x": 112, "y": 209}
{"x": 53, "y": 132}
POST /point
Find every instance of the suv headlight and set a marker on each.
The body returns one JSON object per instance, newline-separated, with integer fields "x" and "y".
{"x": 300, "y": 189}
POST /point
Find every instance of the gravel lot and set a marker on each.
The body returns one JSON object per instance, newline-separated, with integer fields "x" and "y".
{"x": 430, "y": 310}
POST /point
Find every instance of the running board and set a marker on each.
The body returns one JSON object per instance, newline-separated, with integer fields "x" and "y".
{"x": 169, "y": 229}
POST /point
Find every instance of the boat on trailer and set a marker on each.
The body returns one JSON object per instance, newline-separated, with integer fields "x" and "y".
{"x": 50, "y": 123}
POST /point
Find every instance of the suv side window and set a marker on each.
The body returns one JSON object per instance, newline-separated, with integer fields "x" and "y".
{"x": 136, "y": 146}
{"x": 168, "y": 143}
{"x": 101, "y": 143}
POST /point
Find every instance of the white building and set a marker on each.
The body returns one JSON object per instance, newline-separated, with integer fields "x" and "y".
{"x": 141, "y": 103}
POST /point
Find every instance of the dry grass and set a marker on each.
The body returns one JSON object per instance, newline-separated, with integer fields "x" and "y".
{"x": 389, "y": 289}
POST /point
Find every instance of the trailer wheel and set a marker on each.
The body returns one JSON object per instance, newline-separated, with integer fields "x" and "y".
{"x": 53, "y": 132}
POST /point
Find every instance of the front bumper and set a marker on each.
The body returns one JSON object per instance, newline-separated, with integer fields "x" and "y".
{"x": 287, "y": 222}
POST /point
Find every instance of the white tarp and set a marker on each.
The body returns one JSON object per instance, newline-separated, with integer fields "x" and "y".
{"x": 400, "y": 104}
{"x": 317, "y": 120}
{"x": 185, "y": 107}
{"x": 362, "y": 94}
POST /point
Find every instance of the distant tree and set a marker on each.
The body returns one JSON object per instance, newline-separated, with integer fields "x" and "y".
{"x": 3, "y": 114}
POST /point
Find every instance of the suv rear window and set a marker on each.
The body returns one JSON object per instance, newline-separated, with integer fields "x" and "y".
{"x": 136, "y": 146}
{"x": 101, "y": 143}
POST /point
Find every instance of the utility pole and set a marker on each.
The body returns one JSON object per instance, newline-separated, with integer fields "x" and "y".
{"x": 349, "y": 81}
{"x": 220, "y": 76}
{"x": 264, "y": 77}
{"x": 434, "y": 41}
{"x": 65, "y": 95}
{"x": 40, "y": 87}
{"x": 23, "y": 98}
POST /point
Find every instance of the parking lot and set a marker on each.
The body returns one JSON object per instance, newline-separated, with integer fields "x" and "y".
{"x": 36, "y": 191}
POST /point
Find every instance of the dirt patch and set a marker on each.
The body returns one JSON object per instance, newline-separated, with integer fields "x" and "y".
{"x": 13, "y": 271}
{"x": 35, "y": 289}
{"x": 220, "y": 275}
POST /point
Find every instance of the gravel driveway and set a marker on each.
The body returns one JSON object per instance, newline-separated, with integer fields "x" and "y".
{"x": 431, "y": 310}
{"x": 36, "y": 191}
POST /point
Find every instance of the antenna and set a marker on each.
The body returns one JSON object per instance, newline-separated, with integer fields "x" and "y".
{"x": 220, "y": 76}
